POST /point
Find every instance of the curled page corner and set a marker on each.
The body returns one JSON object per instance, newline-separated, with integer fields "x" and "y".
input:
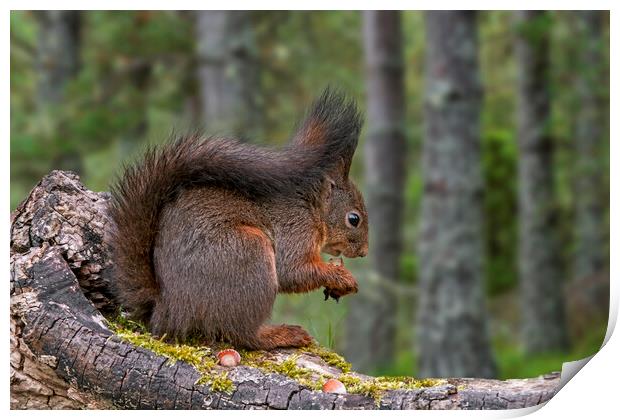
{"x": 570, "y": 369}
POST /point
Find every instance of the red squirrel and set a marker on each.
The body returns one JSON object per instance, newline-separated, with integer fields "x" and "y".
{"x": 206, "y": 231}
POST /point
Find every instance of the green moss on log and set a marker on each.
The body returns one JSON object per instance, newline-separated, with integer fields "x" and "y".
{"x": 218, "y": 382}
{"x": 203, "y": 359}
{"x": 200, "y": 357}
{"x": 376, "y": 387}
{"x": 329, "y": 357}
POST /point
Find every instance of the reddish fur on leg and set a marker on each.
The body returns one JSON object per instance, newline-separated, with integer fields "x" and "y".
{"x": 273, "y": 336}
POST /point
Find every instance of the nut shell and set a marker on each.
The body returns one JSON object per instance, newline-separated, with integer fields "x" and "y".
{"x": 334, "y": 386}
{"x": 337, "y": 261}
{"x": 228, "y": 358}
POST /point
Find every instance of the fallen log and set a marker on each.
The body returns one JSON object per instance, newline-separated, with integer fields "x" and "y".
{"x": 67, "y": 352}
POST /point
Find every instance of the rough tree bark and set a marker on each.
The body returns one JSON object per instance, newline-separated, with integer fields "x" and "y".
{"x": 452, "y": 332}
{"x": 542, "y": 311}
{"x": 372, "y": 313}
{"x": 63, "y": 355}
{"x": 228, "y": 73}
{"x": 590, "y": 255}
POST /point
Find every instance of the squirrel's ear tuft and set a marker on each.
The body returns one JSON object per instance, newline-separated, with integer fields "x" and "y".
{"x": 332, "y": 124}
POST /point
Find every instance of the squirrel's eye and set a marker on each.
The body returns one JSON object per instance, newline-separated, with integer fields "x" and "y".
{"x": 353, "y": 219}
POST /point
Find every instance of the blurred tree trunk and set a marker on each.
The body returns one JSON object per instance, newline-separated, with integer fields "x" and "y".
{"x": 372, "y": 317}
{"x": 58, "y": 62}
{"x": 452, "y": 331}
{"x": 542, "y": 311}
{"x": 228, "y": 73}
{"x": 590, "y": 257}
{"x": 138, "y": 79}
{"x": 57, "y": 53}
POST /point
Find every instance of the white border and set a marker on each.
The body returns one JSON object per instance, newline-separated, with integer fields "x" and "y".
{"x": 591, "y": 393}
{"x": 313, "y": 5}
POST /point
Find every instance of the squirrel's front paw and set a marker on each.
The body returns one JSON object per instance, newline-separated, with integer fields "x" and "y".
{"x": 330, "y": 294}
{"x": 345, "y": 284}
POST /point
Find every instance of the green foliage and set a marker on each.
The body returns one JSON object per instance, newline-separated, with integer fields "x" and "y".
{"x": 499, "y": 168}
{"x": 566, "y": 66}
{"x": 325, "y": 320}
{"x": 404, "y": 362}
{"x": 514, "y": 363}
{"x": 537, "y": 28}
{"x": 413, "y": 196}
{"x": 106, "y": 101}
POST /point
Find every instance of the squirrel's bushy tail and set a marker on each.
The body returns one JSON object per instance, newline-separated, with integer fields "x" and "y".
{"x": 191, "y": 161}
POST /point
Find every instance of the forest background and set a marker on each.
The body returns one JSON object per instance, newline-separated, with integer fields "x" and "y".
{"x": 484, "y": 159}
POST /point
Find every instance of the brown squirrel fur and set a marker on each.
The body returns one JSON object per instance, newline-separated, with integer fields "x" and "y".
{"x": 206, "y": 232}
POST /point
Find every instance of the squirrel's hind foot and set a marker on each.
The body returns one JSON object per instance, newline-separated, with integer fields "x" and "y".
{"x": 274, "y": 336}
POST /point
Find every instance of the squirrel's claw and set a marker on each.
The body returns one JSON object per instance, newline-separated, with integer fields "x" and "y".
{"x": 329, "y": 294}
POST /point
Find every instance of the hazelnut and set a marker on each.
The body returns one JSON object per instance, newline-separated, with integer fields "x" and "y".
{"x": 228, "y": 358}
{"x": 336, "y": 261}
{"x": 334, "y": 386}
